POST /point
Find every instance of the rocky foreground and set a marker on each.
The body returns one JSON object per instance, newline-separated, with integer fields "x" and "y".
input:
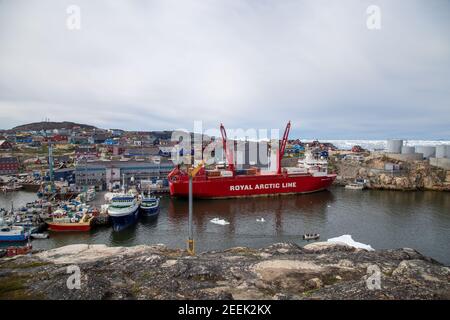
{"x": 282, "y": 271}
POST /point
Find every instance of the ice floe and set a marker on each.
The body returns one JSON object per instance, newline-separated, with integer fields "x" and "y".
{"x": 219, "y": 221}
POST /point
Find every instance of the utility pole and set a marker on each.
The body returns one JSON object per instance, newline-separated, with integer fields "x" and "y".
{"x": 192, "y": 172}
{"x": 191, "y": 248}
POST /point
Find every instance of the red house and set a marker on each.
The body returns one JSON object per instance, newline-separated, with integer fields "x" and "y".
{"x": 57, "y": 138}
{"x": 5, "y": 145}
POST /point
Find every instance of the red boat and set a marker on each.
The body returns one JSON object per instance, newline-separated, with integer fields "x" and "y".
{"x": 252, "y": 182}
{"x": 64, "y": 224}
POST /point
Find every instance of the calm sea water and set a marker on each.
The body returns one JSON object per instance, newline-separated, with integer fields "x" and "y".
{"x": 383, "y": 219}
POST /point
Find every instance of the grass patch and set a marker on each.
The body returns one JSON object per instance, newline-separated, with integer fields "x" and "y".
{"x": 13, "y": 287}
{"x": 309, "y": 293}
{"x": 28, "y": 265}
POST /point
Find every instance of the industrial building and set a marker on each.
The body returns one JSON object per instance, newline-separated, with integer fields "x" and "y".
{"x": 104, "y": 174}
{"x": 438, "y": 156}
{"x": 398, "y": 151}
{"x": 427, "y": 151}
{"x": 441, "y": 158}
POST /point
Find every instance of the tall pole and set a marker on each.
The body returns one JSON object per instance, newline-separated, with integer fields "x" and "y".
{"x": 191, "y": 248}
{"x": 50, "y": 166}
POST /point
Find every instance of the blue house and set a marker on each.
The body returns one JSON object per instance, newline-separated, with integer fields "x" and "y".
{"x": 111, "y": 142}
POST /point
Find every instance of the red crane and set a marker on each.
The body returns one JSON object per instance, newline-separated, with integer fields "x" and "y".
{"x": 283, "y": 145}
{"x": 228, "y": 151}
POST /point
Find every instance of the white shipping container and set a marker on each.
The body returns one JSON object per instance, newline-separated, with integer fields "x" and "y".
{"x": 293, "y": 170}
{"x": 226, "y": 173}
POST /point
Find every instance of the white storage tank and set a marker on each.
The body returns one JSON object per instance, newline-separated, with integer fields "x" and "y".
{"x": 394, "y": 146}
{"x": 441, "y": 151}
{"x": 428, "y": 151}
{"x": 407, "y": 150}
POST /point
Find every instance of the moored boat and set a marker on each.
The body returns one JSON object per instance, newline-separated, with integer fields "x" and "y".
{"x": 15, "y": 251}
{"x": 123, "y": 211}
{"x": 355, "y": 186}
{"x": 13, "y": 233}
{"x": 70, "y": 223}
{"x": 149, "y": 206}
{"x": 39, "y": 235}
{"x": 311, "y": 236}
{"x": 231, "y": 183}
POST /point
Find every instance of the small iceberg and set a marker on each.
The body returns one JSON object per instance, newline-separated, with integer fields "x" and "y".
{"x": 347, "y": 239}
{"x": 260, "y": 220}
{"x": 219, "y": 221}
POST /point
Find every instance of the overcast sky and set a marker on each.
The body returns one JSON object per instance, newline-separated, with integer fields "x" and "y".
{"x": 151, "y": 65}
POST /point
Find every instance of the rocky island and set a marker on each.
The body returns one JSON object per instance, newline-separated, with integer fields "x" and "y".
{"x": 320, "y": 270}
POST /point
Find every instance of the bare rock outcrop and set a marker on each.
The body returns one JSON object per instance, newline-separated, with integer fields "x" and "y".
{"x": 281, "y": 271}
{"x": 414, "y": 175}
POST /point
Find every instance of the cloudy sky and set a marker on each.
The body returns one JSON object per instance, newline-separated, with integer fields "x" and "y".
{"x": 161, "y": 64}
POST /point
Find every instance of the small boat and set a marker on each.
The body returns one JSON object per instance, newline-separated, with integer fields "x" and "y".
{"x": 39, "y": 235}
{"x": 14, "y": 251}
{"x": 70, "y": 224}
{"x": 260, "y": 220}
{"x": 355, "y": 186}
{"x": 149, "y": 206}
{"x": 311, "y": 236}
{"x": 13, "y": 233}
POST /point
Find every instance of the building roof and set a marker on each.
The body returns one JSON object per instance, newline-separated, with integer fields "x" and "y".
{"x": 8, "y": 159}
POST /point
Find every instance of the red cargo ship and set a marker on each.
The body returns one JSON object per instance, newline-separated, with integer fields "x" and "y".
{"x": 232, "y": 183}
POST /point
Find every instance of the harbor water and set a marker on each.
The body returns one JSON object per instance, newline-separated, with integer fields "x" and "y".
{"x": 383, "y": 219}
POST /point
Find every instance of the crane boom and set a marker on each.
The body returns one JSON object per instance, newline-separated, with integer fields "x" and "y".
{"x": 194, "y": 170}
{"x": 228, "y": 151}
{"x": 283, "y": 145}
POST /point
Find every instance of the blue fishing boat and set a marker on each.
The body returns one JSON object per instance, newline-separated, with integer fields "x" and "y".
{"x": 13, "y": 233}
{"x": 149, "y": 206}
{"x": 123, "y": 211}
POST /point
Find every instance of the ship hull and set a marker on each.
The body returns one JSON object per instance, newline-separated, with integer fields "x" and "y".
{"x": 121, "y": 222}
{"x": 251, "y": 186}
{"x": 13, "y": 238}
{"x": 149, "y": 212}
{"x": 69, "y": 227}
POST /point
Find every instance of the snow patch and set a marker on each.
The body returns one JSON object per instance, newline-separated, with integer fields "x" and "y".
{"x": 347, "y": 239}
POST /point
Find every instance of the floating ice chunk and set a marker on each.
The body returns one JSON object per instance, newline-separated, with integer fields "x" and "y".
{"x": 260, "y": 220}
{"x": 347, "y": 239}
{"x": 219, "y": 221}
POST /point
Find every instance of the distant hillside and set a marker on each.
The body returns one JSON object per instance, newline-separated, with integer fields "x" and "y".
{"x": 36, "y": 126}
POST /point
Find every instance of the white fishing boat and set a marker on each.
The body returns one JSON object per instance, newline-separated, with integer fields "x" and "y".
{"x": 311, "y": 236}
{"x": 39, "y": 235}
{"x": 13, "y": 233}
{"x": 123, "y": 211}
{"x": 355, "y": 186}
